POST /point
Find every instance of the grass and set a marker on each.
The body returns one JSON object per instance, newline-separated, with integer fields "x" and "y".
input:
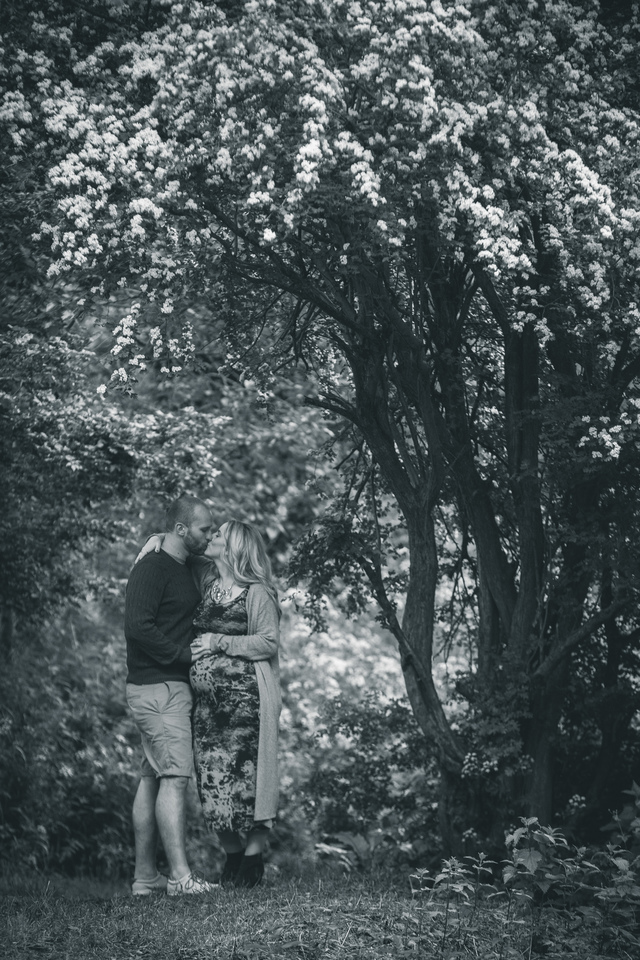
{"x": 308, "y": 918}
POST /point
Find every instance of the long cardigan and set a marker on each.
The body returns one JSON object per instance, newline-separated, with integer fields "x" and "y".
{"x": 259, "y": 644}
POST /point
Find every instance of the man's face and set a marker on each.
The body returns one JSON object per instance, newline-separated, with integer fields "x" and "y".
{"x": 199, "y": 532}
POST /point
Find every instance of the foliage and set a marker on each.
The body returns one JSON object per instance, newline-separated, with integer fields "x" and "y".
{"x": 64, "y": 460}
{"x": 381, "y": 744}
{"x": 411, "y": 181}
{"x": 543, "y": 879}
{"x": 70, "y": 461}
{"x": 66, "y": 757}
{"x": 320, "y": 669}
{"x": 433, "y": 209}
{"x": 372, "y": 789}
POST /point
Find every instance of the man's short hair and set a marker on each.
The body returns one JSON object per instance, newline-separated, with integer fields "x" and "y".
{"x": 182, "y": 510}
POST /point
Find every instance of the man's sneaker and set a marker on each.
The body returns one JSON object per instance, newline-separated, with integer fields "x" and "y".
{"x": 189, "y": 884}
{"x": 144, "y": 888}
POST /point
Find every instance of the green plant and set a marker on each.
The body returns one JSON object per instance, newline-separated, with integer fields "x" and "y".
{"x": 67, "y": 749}
{"x": 603, "y": 886}
{"x": 371, "y": 788}
{"x": 546, "y": 889}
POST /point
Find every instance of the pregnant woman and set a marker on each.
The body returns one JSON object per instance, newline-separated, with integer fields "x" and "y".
{"x": 235, "y": 681}
{"x": 236, "y": 685}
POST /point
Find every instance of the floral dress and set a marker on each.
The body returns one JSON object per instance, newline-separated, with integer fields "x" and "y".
{"x": 226, "y": 722}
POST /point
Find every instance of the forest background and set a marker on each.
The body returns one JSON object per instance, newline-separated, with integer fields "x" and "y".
{"x": 366, "y": 274}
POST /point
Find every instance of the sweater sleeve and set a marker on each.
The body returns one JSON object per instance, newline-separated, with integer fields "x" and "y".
{"x": 261, "y": 641}
{"x": 142, "y": 601}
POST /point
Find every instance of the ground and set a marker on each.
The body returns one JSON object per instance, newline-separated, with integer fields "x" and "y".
{"x": 306, "y": 918}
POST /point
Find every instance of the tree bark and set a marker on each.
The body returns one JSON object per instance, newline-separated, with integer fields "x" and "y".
{"x": 546, "y": 710}
{"x": 7, "y": 628}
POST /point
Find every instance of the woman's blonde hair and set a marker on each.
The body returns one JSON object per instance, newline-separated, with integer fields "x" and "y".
{"x": 245, "y": 553}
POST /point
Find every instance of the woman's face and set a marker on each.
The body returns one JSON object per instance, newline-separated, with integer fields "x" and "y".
{"x": 217, "y": 544}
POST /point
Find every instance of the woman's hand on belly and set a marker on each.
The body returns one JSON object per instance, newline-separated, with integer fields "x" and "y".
{"x": 204, "y": 644}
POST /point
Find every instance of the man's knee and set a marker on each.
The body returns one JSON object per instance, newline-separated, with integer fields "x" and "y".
{"x": 147, "y": 789}
{"x": 174, "y": 784}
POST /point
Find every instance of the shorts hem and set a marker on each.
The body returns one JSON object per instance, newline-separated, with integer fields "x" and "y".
{"x": 174, "y": 773}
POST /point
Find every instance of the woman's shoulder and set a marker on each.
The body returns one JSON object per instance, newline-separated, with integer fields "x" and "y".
{"x": 258, "y": 595}
{"x": 258, "y": 591}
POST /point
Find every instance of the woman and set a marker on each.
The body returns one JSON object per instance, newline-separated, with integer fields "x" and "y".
{"x": 235, "y": 680}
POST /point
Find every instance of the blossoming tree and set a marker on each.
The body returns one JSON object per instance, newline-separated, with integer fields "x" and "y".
{"x": 434, "y": 207}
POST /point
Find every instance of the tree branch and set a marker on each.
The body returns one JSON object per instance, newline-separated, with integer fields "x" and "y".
{"x": 335, "y": 405}
{"x": 559, "y": 653}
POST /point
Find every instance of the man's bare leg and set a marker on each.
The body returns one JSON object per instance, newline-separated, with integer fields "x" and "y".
{"x": 170, "y": 817}
{"x": 145, "y": 828}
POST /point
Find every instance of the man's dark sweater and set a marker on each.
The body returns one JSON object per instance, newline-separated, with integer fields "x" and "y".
{"x": 160, "y": 602}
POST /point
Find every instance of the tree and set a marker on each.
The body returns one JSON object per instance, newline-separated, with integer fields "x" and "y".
{"x": 79, "y": 470}
{"x": 434, "y": 208}
{"x": 69, "y": 455}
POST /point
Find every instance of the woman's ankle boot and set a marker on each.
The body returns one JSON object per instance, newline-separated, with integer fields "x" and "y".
{"x": 231, "y": 867}
{"x": 251, "y": 871}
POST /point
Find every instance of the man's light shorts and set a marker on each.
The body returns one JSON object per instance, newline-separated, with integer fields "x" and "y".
{"x": 162, "y": 712}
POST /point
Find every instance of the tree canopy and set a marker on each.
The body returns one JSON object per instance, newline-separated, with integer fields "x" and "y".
{"x": 432, "y": 208}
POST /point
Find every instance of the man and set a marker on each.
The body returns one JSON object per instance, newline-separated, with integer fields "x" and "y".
{"x": 160, "y": 602}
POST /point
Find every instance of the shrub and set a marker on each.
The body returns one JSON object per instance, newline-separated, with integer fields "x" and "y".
{"x": 371, "y": 792}
{"x": 67, "y": 748}
{"x": 545, "y": 881}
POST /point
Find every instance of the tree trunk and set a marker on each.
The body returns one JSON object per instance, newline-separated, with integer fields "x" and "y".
{"x": 546, "y": 709}
{"x": 7, "y": 628}
{"x": 448, "y": 800}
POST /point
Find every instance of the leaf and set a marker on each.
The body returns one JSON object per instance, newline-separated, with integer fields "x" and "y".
{"x": 530, "y": 859}
{"x": 543, "y": 885}
{"x": 358, "y": 843}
